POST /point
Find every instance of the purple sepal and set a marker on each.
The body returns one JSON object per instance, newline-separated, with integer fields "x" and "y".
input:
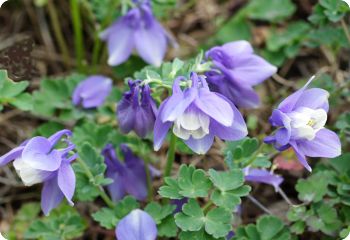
{"x": 137, "y": 110}
{"x": 92, "y": 92}
{"x": 129, "y": 177}
{"x": 139, "y": 30}
{"x": 137, "y": 225}
{"x": 236, "y": 70}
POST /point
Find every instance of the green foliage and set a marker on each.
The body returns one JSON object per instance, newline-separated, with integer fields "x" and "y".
{"x": 24, "y": 217}
{"x": 98, "y": 135}
{"x": 191, "y": 183}
{"x": 165, "y": 75}
{"x": 229, "y": 188}
{"x": 217, "y": 222}
{"x": 328, "y": 10}
{"x": 54, "y": 98}
{"x": 327, "y": 195}
{"x": 109, "y": 218}
{"x": 87, "y": 186}
{"x": 270, "y": 10}
{"x": 100, "y": 12}
{"x": 314, "y": 188}
{"x": 245, "y": 152}
{"x": 164, "y": 218}
{"x": 266, "y": 228}
{"x": 236, "y": 28}
{"x": 49, "y": 128}
{"x": 286, "y": 42}
{"x": 62, "y": 223}
{"x": 12, "y": 93}
{"x": 214, "y": 219}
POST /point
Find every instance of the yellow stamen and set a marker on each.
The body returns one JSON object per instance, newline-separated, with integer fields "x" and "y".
{"x": 311, "y": 122}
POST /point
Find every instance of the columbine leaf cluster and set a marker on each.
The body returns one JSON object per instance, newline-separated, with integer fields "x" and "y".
{"x": 109, "y": 218}
{"x": 245, "y": 153}
{"x": 63, "y": 223}
{"x": 326, "y": 199}
{"x": 224, "y": 189}
{"x": 266, "y": 228}
{"x": 87, "y": 186}
{"x": 12, "y": 93}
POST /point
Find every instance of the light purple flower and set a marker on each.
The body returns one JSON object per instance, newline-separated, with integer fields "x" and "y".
{"x": 129, "y": 177}
{"x": 300, "y": 119}
{"x": 236, "y": 70}
{"x": 137, "y": 110}
{"x": 197, "y": 115}
{"x": 137, "y": 225}
{"x": 92, "y": 92}
{"x": 37, "y": 161}
{"x": 138, "y": 29}
{"x": 263, "y": 176}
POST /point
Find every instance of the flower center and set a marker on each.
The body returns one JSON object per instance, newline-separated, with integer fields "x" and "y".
{"x": 192, "y": 123}
{"x": 306, "y": 122}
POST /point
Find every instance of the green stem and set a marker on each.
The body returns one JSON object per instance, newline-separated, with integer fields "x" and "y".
{"x": 207, "y": 206}
{"x": 102, "y": 192}
{"x": 253, "y": 157}
{"x": 346, "y": 29}
{"x": 78, "y": 33}
{"x": 171, "y": 156}
{"x": 149, "y": 181}
{"x": 58, "y": 32}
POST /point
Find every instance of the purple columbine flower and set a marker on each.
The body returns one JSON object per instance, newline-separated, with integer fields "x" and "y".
{"x": 137, "y": 29}
{"x": 37, "y": 161}
{"x": 129, "y": 177}
{"x": 137, "y": 110}
{"x": 92, "y": 92}
{"x": 236, "y": 70}
{"x": 300, "y": 119}
{"x": 197, "y": 115}
{"x": 263, "y": 176}
{"x": 137, "y": 225}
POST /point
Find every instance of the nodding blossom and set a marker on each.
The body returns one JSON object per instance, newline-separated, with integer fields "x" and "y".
{"x": 137, "y": 225}
{"x": 92, "y": 92}
{"x": 300, "y": 120}
{"x": 236, "y": 70}
{"x": 140, "y": 30}
{"x": 137, "y": 110}
{"x": 197, "y": 115}
{"x": 129, "y": 177}
{"x": 37, "y": 161}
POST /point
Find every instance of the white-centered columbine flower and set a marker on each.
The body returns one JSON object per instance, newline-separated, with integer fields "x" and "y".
{"x": 2, "y": 238}
{"x": 2, "y": 2}
{"x": 306, "y": 122}
{"x": 301, "y": 119}
{"x": 191, "y": 124}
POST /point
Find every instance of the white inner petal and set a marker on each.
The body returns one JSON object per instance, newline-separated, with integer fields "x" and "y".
{"x": 28, "y": 175}
{"x": 306, "y": 122}
{"x": 191, "y": 123}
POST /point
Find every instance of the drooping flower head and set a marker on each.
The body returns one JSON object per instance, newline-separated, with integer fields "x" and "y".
{"x": 129, "y": 177}
{"x": 137, "y": 225}
{"x": 139, "y": 30}
{"x": 92, "y": 92}
{"x": 37, "y": 161}
{"x": 262, "y": 176}
{"x": 236, "y": 70}
{"x": 137, "y": 110}
{"x": 300, "y": 120}
{"x": 197, "y": 115}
